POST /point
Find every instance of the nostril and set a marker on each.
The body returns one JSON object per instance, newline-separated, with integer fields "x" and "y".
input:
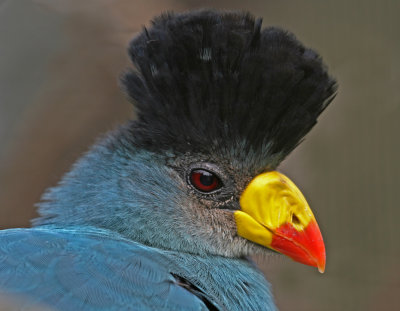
{"x": 295, "y": 220}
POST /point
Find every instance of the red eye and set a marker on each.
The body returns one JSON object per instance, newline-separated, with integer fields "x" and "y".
{"x": 204, "y": 181}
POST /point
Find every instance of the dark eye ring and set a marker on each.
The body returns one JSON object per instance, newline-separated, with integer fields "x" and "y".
{"x": 204, "y": 181}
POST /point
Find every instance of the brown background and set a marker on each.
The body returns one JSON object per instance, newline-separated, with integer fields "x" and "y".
{"x": 59, "y": 68}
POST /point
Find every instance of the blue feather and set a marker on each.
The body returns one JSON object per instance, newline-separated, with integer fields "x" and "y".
{"x": 92, "y": 269}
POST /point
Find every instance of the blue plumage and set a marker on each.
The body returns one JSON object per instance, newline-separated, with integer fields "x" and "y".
{"x": 92, "y": 269}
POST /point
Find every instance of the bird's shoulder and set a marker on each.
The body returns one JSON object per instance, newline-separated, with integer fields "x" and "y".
{"x": 89, "y": 269}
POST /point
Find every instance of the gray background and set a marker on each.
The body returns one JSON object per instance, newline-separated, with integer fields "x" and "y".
{"x": 59, "y": 68}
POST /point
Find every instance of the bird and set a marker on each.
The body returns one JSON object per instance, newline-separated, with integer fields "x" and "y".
{"x": 164, "y": 212}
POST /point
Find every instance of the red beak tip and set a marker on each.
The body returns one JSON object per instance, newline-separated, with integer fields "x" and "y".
{"x": 305, "y": 246}
{"x": 321, "y": 262}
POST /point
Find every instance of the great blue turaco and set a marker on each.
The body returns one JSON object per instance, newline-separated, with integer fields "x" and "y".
{"x": 163, "y": 212}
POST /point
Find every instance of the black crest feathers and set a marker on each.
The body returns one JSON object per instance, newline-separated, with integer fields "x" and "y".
{"x": 210, "y": 78}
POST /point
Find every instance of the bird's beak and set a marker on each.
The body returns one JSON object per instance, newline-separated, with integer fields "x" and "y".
{"x": 275, "y": 214}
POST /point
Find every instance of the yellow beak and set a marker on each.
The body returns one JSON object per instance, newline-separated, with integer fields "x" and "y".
{"x": 275, "y": 214}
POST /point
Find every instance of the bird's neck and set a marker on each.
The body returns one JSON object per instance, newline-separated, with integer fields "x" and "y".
{"x": 118, "y": 188}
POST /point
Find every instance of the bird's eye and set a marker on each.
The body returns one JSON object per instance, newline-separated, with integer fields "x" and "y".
{"x": 204, "y": 181}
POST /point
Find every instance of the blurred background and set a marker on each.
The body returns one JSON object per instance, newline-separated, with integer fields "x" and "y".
{"x": 59, "y": 67}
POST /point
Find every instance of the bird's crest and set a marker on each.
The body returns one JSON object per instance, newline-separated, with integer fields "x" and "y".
{"x": 211, "y": 77}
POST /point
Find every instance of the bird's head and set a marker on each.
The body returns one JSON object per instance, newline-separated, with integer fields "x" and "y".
{"x": 219, "y": 104}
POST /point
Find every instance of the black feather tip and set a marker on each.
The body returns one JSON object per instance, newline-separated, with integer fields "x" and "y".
{"x": 211, "y": 78}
